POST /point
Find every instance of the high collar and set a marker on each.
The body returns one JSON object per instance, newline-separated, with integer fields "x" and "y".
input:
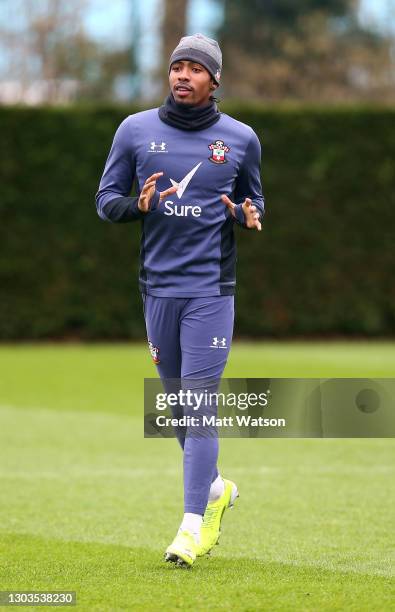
{"x": 186, "y": 117}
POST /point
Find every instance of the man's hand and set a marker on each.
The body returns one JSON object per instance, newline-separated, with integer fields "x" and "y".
{"x": 250, "y": 214}
{"x": 144, "y": 203}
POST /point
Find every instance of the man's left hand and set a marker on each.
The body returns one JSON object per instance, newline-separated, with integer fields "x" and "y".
{"x": 251, "y": 215}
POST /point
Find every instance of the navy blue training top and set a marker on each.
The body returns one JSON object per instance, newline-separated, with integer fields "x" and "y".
{"x": 187, "y": 242}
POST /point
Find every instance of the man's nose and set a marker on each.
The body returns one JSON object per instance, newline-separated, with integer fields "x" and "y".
{"x": 183, "y": 76}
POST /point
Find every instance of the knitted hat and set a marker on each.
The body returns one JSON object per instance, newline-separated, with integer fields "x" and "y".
{"x": 201, "y": 49}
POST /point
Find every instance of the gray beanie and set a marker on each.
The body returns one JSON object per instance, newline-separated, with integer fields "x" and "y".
{"x": 201, "y": 49}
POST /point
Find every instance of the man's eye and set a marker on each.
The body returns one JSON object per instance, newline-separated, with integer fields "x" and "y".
{"x": 196, "y": 69}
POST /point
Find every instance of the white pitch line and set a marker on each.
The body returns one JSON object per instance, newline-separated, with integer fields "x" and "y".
{"x": 126, "y": 473}
{"x": 170, "y": 471}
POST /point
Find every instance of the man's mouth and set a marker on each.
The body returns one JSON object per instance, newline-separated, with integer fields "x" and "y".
{"x": 183, "y": 88}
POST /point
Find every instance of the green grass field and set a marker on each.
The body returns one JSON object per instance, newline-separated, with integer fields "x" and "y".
{"x": 87, "y": 504}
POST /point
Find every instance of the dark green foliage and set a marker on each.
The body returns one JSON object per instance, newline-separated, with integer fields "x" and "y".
{"x": 240, "y": 16}
{"x": 323, "y": 264}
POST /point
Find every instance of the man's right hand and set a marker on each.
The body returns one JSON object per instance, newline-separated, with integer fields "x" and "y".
{"x": 148, "y": 190}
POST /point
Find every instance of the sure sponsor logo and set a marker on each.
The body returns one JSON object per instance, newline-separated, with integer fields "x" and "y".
{"x": 181, "y": 210}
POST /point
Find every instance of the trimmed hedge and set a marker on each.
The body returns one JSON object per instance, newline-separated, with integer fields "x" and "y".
{"x": 323, "y": 264}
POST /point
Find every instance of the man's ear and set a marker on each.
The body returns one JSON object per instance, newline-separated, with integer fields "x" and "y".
{"x": 213, "y": 85}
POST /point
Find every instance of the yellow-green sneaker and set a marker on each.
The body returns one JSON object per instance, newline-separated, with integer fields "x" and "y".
{"x": 182, "y": 551}
{"x": 211, "y": 526}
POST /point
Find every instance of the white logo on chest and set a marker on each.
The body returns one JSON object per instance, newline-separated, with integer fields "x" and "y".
{"x": 181, "y": 210}
{"x": 157, "y": 148}
{"x": 182, "y": 185}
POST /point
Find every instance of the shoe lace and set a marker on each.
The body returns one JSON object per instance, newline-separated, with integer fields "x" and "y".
{"x": 209, "y": 516}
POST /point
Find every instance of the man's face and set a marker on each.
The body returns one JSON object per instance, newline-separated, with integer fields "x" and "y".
{"x": 190, "y": 83}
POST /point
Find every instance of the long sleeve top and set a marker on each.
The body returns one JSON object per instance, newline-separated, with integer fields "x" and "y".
{"x": 187, "y": 240}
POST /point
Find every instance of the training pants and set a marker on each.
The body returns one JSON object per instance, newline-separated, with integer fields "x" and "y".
{"x": 190, "y": 339}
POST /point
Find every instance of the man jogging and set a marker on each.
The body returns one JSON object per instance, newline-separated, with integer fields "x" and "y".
{"x": 197, "y": 173}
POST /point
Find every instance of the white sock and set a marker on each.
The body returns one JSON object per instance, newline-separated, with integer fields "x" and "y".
{"x": 216, "y": 490}
{"x": 192, "y": 522}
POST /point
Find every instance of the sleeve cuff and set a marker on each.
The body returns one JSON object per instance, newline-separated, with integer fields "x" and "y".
{"x": 239, "y": 215}
{"x": 155, "y": 200}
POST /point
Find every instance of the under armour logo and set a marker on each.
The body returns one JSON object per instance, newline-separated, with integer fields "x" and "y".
{"x": 157, "y": 148}
{"x": 218, "y": 343}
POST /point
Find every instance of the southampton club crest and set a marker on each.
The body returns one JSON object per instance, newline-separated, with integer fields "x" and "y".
{"x": 218, "y": 150}
{"x": 154, "y": 350}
